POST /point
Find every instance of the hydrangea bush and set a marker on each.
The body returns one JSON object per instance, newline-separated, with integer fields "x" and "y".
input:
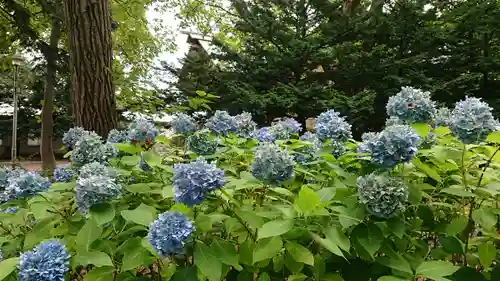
{"x": 417, "y": 201}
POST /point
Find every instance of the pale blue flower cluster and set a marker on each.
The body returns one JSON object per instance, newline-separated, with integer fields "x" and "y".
{"x": 366, "y": 139}
{"x": 392, "y": 120}
{"x": 245, "y": 126}
{"x": 285, "y": 128}
{"x": 338, "y": 148}
{"x": 271, "y": 164}
{"x": 443, "y": 116}
{"x": 95, "y": 185}
{"x": 26, "y": 184}
{"x": 472, "y": 120}
{"x": 63, "y": 173}
{"x": 311, "y": 145}
{"x": 91, "y": 149}
{"x": 72, "y": 136}
{"x": 192, "y": 182}
{"x": 412, "y": 105}
{"x": 382, "y": 195}
{"x": 395, "y": 144}
{"x": 142, "y": 130}
{"x": 202, "y": 143}
{"x": 117, "y": 136}
{"x": 330, "y": 125}
{"x": 10, "y": 210}
{"x": 169, "y": 233}
{"x": 264, "y": 135}
{"x": 47, "y": 262}
{"x": 8, "y": 172}
{"x": 183, "y": 124}
{"x": 144, "y": 165}
{"x": 221, "y": 123}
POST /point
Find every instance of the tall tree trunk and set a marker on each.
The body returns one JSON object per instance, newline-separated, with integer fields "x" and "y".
{"x": 46, "y": 149}
{"x": 349, "y": 6}
{"x": 92, "y": 89}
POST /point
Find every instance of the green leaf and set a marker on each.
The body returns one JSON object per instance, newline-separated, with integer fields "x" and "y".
{"x": 458, "y": 190}
{"x": 335, "y": 235}
{"x": 426, "y": 169}
{"x": 7, "y": 267}
{"x": 88, "y": 234}
{"x": 297, "y": 277}
{"x": 330, "y": 245}
{"x": 98, "y": 259}
{"x": 392, "y": 278}
{"x": 369, "y": 236}
{"x": 185, "y": 274}
{"x": 350, "y": 216}
{"x": 103, "y": 213}
{"x": 307, "y": 200}
{"x": 128, "y": 148}
{"x": 130, "y": 160}
{"x": 226, "y": 252}
{"x": 493, "y": 137}
{"x": 167, "y": 192}
{"x": 326, "y": 194}
{"x": 267, "y": 248}
{"x": 484, "y": 217}
{"x": 275, "y": 228}
{"x": 396, "y": 226}
{"x": 207, "y": 262}
{"x": 332, "y": 277}
{"x": 422, "y": 129}
{"x": 300, "y": 253}
{"x": 152, "y": 158}
{"x": 138, "y": 188}
{"x": 441, "y": 130}
{"x": 432, "y": 269}
{"x": 283, "y": 191}
{"x": 104, "y": 273}
{"x": 63, "y": 186}
{"x": 264, "y": 277}
{"x": 397, "y": 262}
{"x": 487, "y": 253}
{"x": 143, "y": 215}
{"x": 138, "y": 256}
{"x": 457, "y": 225}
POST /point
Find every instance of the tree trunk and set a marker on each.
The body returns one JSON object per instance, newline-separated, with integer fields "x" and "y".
{"x": 92, "y": 89}
{"x": 349, "y": 6}
{"x": 46, "y": 149}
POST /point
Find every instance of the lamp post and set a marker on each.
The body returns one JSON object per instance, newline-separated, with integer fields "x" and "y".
{"x": 17, "y": 60}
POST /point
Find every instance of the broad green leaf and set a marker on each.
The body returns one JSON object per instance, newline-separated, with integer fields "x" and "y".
{"x": 137, "y": 256}
{"x": 297, "y": 277}
{"x": 458, "y": 190}
{"x": 369, "y": 236}
{"x": 300, "y": 253}
{"x": 431, "y": 269}
{"x": 267, "y": 248}
{"x": 63, "y": 186}
{"x": 457, "y": 225}
{"x": 332, "y": 277}
{"x": 207, "y": 262}
{"x": 283, "y": 191}
{"x": 275, "y": 228}
{"x": 103, "y": 213}
{"x": 484, "y": 217}
{"x": 167, "y": 192}
{"x": 143, "y": 215}
{"x": 397, "y": 226}
{"x": 88, "y": 234}
{"x": 307, "y": 200}
{"x": 40, "y": 210}
{"x": 104, "y": 273}
{"x": 152, "y": 158}
{"x": 487, "y": 253}
{"x": 130, "y": 160}
{"x": 326, "y": 194}
{"x": 350, "y": 216}
{"x": 264, "y": 277}
{"x": 95, "y": 258}
{"x": 392, "y": 278}
{"x": 185, "y": 274}
{"x": 426, "y": 169}
{"x": 7, "y": 267}
{"x": 330, "y": 245}
{"x": 250, "y": 218}
{"x": 396, "y": 262}
{"x": 441, "y": 130}
{"x": 335, "y": 233}
{"x": 138, "y": 188}
{"x": 422, "y": 129}
{"x": 128, "y": 148}
{"x": 226, "y": 252}
{"x": 493, "y": 137}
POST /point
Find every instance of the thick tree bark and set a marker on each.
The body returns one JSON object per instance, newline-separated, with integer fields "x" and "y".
{"x": 92, "y": 89}
{"x": 51, "y": 56}
{"x": 349, "y": 6}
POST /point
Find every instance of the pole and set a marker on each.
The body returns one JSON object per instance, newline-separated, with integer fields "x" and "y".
{"x": 14, "y": 122}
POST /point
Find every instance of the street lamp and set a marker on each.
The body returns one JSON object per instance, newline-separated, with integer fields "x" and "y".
{"x": 17, "y": 61}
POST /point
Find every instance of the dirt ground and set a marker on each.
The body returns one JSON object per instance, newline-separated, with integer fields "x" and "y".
{"x": 32, "y": 165}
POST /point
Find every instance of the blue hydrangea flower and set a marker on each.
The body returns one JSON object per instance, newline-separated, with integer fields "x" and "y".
{"x": 245, "y": 126}
{"x": 395, "y": 144}
{"x": 142, "y": 130}
{"x": 192, "y": 182}
{"x": 26, "y": 185}
{"x": 97, "y": 169}
{"x": 91, "y": 149}
{"x": 442, "y": 118}
{"x": 330, "y": 125}
{"x": 202, "y": 143}
{"x": 285, "y": 128}
{"x": 306, "y": 152}
{"x": 117, "y": 136}
{"x": 428, "y": 141}
{"x": 143, "y": 165}
{"x": 471, "y": 120}
{"x": 47, "y": 262}
{"x": 271, "y": 164}
{"x": 72, "y": 136}
{"x": 411, "y": 105}
{"x": 10, "y": 210}
{"x": 264, "y": 135}
{"x": 382, "y": 195}
{"x": 394, "y": 121}
{"x": 367, "y": 138}
{"x": 8, "y": 172}
{"x": 168, "y": 233}
{"x": 183, "y": 124}
{"x": 221, "y": 123}
{"x": 338, "y": 148}
{"x": 63, "y": 173}
{"x": 95, "y": 189}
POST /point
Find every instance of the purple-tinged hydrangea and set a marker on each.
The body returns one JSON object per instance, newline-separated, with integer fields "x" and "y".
{"x": 221, "y": 123}
{"x": 94, "y": 190}
{"x": 49, "y": 261}
{"x": 382, "y": 195}
{"x": 412, "y": 105}
{"x": 26, "y": 185}
{"x": 472, "y": 120}
{"x": 265, "y": 135}
{"x": 192, "y": 182}
{"x": 142, "y": 130}
{"x": 202, "y": 143}
{"x": 183, "y": 124}
{"x": 10, "y": 210}
{"x": 117, "y": 136}
{"x": 72, "y": 136}
{"x": 97, "y": 169}
{"x": 91, "y": 149}
{"x": 63, "y": 173}
{"x": 169, "y": 233}
{"x": 245, "y": 126}
{"x": 144, "y": 165}
{"x": 311, "y": 145}
{"x": 271, "y": 164}
{"x": 330, "y": 125}
{"x": 395, "y": 144}
{"x": 442, "y": 118}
